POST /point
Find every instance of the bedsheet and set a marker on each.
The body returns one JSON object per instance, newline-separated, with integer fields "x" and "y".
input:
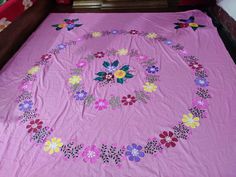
{"x": 119, "y": 95}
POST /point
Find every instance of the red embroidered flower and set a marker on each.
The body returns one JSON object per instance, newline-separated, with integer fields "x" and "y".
{"x": 46, "y": 57}
{"x": 129, "y": 100}
{"x": 99, "y": 54}
{"x": 195, "y": 65}
{"x": 34, "y": 125}
{"x": 183, "y": 25}
{"x": 133, "y": 32}
{"x": 168, "y": 139}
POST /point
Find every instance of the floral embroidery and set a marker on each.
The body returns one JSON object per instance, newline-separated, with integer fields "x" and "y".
{"x": 81, "y": 95}
{"x": 202, "y": 82}
{"x": 75, "y": 80}
{"x": 151, "y": 35}
{"x": 71, "y": 151}
{"x": 34, "y": 70}
{"x": 184, "y": 23}
{"x": 41, "y": 135}
{"x": 96, "y": 34}
{"x": 168, "y": 139}
{"x": 99, "y": 54}
{"x": 46, "y": 57}
{"x": 133, "y": 32}
{"x": 34, "y": 125}
{"x": 195, "y": 65}
{"x": 122, "y": 52}
{"x": 203, "y": 93}
{"x": 201, "y": 73}
{"x": 181, "y": 131}
{"x": 24, "y": 96}
{"x": 128, "y": 100}
{"x": 149, "y": 87}
{"x": 81, "y": 64}
{"x": 153, "y": 146}
{"x": 190, "y": 121}
{"x": 197, "y": 112}
{"x": 28, "y": 115}
{"x": 26, "y": 105}
{"x": 68, "y": 23}
{"x": 52, "y": 146}
{"x": 152, "y": 69}
{"x": 200, "y": 103}
{"x": 168, "y": 42}
{"x": 134, "y": 152}
{"x": 91, "y": 154}
{"x": 61, "y": 46}
{"x": 101, "y": 104}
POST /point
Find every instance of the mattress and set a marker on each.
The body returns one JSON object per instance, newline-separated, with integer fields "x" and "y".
{"x": 119, "y": 94}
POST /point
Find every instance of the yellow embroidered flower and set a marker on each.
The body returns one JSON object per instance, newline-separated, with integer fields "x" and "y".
{"x": 149, "y": 87}
{"x": 151, "y": 35}
{"x": 96, "y": 34}
{"x": 120, "y": 74}
{"x": 122, "y": 52}
{"x": 34, "y": 70}
{"x": 53, "y": 145}
{"x": 190, "y": 121}
{"x": 62, "y": 25}
{"x": 193, "y": 25}
{"x": 74, "y": 80}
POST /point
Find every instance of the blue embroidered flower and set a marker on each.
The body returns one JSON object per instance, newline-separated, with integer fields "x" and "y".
{"x": 168, "y": 42}
{"x": 111, "y": 69}
{"x": 81, "y": 95}
{"x": 26, "y": 105}
{"x": 202, "y": 82}
{"x": 152, "y": 69}
{"x": 61, "y": 46}
{"x": 114, "y": 31}
{"x": 134, "y": 152}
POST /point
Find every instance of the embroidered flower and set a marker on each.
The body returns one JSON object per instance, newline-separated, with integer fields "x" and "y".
{"x": 195, "y": 65}
{"x": 114, "y": 31}
{"x": 195, "y": 25}
{"x": 53, "y": 145}
{"x": 74, "y": 79}
{"x": 96, "y": 34}
{"x": 128, "y": 100}
{"x": 151, "y": 35}
{"x": 34, "y": 125}
{"x": 80, "y": 95}
{"x": 81, "y": 63}
{"x": 26, "y": 105}
{"x": 26, "y": 86}
{"x": 122, "y": 52}
{"x": 91, "y": 154}
{"x": 168, "y": 139}
{"x": 200, "y": 103}
{"x": 142, "y": 57}
{"x": 202, "y": 82}
{"x": 184, "y": 23}
{"x": 33, "y": 70}
{"x": 111, "y": 68}
{"x": 99, "y": 54}
{"x": 168, "y": 42}
{"x": 133, "y": 32}
{"x": 108, "y": 77}
{"x": 134, "y": 152}
{"x": 120, "y": 74}
{"x": 4, "y": 23}
{"x": 46, "y": 57}
{"x": 101, "y": 104}
{"x": 190, "y": 121}
{"x": 149, "y": 87}
{"x": 152, "y": 69}
{"x": 61, "y": 46}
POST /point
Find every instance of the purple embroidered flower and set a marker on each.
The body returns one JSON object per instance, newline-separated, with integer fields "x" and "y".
{"x": 202, "y": 82}
{"x": 61, "y": 46}
{"x": 111, "y": 69}
{"x": 81, "y": 95}
{"x": 168, "y": 42}
{"x": 134, "y": 152}
{"x": 152, "y": 69}
{"x": 200, "y": 103}
{"x": 26, "y": 105}
{"x": 91, "y": 154}
{"x": 114, "y": 31}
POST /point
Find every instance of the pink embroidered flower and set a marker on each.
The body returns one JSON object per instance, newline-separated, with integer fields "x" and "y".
{"x": 133, "y": 32}
{"x": 195, "y": 65}
{"x": 142, "y": 57}
{"x": 101, "y": 104}
{"x": 34, "y": 125}
{"x": 200, "y": 103}
{"x": 46, "y": 57}
{"x": 168, "y": 139}
{"x": 26, "y": 86}
{"x": 90, "y": 154}
{"x": 99, "y": 54}
{"x": 81, "y": 63}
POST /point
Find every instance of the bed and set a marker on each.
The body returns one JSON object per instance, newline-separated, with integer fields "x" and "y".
{"x": 119, "y": 94}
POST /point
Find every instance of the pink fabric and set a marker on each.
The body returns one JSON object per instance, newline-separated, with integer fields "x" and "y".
{"x": 58, "y": 55}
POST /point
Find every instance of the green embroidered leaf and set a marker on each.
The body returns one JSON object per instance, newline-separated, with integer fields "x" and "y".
{"x": 101, "y": 73}
{"x": 121, "y": 81}
{"x": 128, "y": 75}
{"x": 125, "y": 68}
{"x": 98, "y": 79}
{"x": 106, "y": 64}
{"x": 115, "y": 63}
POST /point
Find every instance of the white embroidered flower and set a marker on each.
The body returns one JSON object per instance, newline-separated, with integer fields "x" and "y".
{"x": 27, "y": 3}
{"x": 4, "y": 23}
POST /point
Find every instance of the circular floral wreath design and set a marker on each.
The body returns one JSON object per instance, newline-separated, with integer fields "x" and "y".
{"x": 111, "y": 153}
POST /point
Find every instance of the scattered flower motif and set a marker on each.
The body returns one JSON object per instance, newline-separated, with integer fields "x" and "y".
{"x": 115, "y": 31}
{"x": 81, "y": 63}
{"x": 152, "y": 69}
{"x": 200, "y": 103}
{"x": 134, "y": 152}
{"x": 34, "y": 125}
{"x": 122, "y": 52}
{"x": 202, "y": 82}
{"x": 111, "y": 68}
{"x": 91, "y": 154}
{"x": 69, "y": 23}
{"x": 80, "y": 95}
{"x": 46, "y": 57}
{"x": 190, "y": 121}
{"x": 149, "y": 87}
{"x": 96, "y": 34}
{"x": 152, "y": 35}
{"x": 168, "y": 139}
{"x": 195, "y": 65}
{"x": 168, "y": 42}
{"x": 184, "y": 23}
{"x": 142, "y": 58}
{"x": 4, "y": 23}
{"x": 128, "y": 100}
{"x": 33, "y": 70}
{"x": 52, "y": 146}
{"x": 99, "y": 54}
{"x": 133, "y": 32}
{"x": 120, "y": 74}
{"x": 101, "y": 104}
{"x": 74, "y": 79}
{"x": 109, "y": 77}
{"x": 26, "y": 105}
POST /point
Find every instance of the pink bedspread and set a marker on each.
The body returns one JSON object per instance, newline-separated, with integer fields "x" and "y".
{"x": 119, "y": 95}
